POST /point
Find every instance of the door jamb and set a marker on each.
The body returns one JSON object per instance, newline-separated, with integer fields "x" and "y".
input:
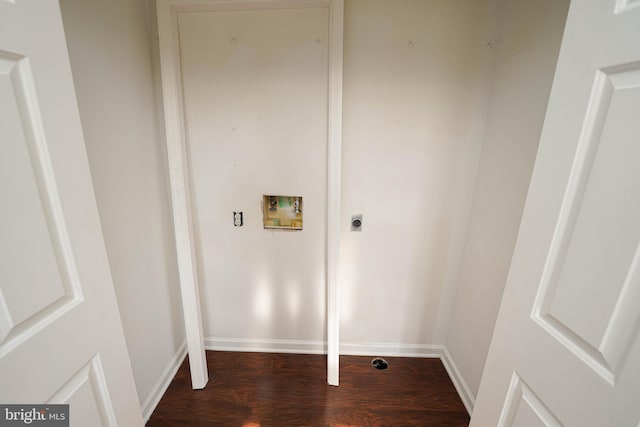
{"x": 167, "y": 11}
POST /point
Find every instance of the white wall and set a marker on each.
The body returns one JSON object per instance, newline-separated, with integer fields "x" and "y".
{"x": 526, "y": 58}
{"x": 255, "y": 99}
{"x": 112, "y": 68}
{"x": 411, "y": 87}
{"x": 255, "y": 102}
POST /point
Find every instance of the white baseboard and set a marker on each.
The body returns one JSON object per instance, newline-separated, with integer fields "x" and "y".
{"x": 391, "y": 350}
{"x": 156, "y": 393}
{"x": 265, "y": 345}
{"x": 351, "y": 349}
{"x": 320, "y": 347}
{"x": 468, "y": 399}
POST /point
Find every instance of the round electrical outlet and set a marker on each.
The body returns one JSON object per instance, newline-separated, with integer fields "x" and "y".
{"x": 356, "y": 223}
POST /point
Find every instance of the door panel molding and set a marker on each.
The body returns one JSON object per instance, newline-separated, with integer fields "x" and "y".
{"x": 519, "y": 397}
{"x": 20, "y": 321}
{"x": 603, "y": 344}
{"x": 88, "y": 382}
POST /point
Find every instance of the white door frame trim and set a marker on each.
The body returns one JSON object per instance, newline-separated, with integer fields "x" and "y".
{"x": 178, "y": 166}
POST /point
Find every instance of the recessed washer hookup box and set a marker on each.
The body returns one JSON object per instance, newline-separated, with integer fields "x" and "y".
{"x": 282, "y": 212}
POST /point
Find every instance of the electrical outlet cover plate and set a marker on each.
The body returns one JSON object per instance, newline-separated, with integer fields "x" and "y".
{"x": 237, "y": 219}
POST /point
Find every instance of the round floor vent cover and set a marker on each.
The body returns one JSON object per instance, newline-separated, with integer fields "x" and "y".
{"x": 379, "y": 363}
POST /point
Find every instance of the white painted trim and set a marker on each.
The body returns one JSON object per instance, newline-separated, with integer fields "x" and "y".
{"x": 320, "y": 347}
{"x": 153, "y": 398}
{"x": 178, "y": 178}
{"x": 392, "y": 350}
{"x": 178, "y": 166}
{"x": 226, "y": 5}
{"x": 266, "y": 345}
{"x": 334, "y": 181}
{"x": 465, "y": 393}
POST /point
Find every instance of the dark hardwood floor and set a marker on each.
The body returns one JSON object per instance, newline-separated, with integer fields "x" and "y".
{"x": 265, "y": 389}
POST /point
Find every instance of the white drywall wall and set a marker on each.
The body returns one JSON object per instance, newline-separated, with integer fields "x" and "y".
{"x": 412, "y": 70}
{"x": 526, "y": 58}
{"x": 255, "y": 100}
{"x": 112, "y": 68}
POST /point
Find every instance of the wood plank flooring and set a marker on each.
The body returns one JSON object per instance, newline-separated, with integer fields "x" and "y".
{"x": 265, "y": 389}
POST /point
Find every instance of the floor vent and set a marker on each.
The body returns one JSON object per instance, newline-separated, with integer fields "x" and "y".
{"x": 379, "y": 363}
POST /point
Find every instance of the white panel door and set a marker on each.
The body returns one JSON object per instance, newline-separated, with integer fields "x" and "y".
{"x": 61, "y": 340}
{"x": 566, "y": 348}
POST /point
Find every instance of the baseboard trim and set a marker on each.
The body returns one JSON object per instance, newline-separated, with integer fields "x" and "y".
{"x": 391, "y": 350}
{"x": 467, "y": 397}
{"x": 320, "y": 347}
{"x": 265, "y": 345}
{"x": 351, "y": 349}
{"x": 158, "y": 390}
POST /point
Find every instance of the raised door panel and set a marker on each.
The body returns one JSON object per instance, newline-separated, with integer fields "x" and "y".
{"x": 88, "y": 397}
{"x": 36, "y": 270}
{"x": 523, "y": 408}
{"x": 592, "y": 270}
